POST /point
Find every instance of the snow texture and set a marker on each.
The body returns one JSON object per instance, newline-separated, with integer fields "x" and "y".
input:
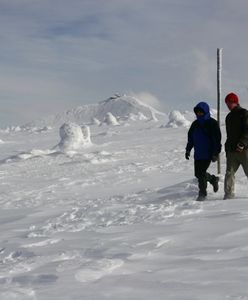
{"x": 117, "y": 219}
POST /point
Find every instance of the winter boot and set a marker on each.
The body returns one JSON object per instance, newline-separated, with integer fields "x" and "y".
{"x": 228, "y": 196}
{"x": 215, "y": 183}
{"x": 201, "y": 197}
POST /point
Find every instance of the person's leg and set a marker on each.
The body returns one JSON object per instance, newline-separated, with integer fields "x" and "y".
{"x": 214, "y": 180}
{"x": 244, "y": 161}
{"x": 232, "y": 165}
{"x": 201, "y": 167}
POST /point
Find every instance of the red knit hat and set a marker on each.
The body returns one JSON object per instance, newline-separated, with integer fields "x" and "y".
{"x": 233, "y": 98}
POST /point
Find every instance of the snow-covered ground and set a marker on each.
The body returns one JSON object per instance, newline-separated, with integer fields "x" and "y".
{"x": 115, "y": 218}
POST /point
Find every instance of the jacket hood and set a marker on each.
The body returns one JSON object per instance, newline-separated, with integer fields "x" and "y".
{"x": 205, "y": 107}
{"x": 202, "y": 105}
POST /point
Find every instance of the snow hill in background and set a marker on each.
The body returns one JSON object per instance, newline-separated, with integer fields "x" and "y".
{"x": 121, "y": 107}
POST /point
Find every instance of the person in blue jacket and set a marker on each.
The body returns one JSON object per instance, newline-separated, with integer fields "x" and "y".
{"x": 205, "y": 137}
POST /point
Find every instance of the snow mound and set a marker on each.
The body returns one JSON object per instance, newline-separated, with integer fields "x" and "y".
{"x": 120, "y": 106}
{"x": 96, "y": 122}
{"x": 110, "y": 119}
{"x": 139, "y": 117}
{"x": 177, "y": 119}
{"x": 73, "y": 137}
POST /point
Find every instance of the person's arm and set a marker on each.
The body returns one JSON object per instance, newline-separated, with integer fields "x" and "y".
{"x": 190, "y": 142}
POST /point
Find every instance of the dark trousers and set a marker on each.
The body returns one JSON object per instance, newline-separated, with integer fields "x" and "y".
{"x": 202, "y": 175}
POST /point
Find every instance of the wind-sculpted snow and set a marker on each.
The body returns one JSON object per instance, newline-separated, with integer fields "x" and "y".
{"x": 28, "y": 155}
{"x": 176, "y": 119}
{"x": 26, "y": 128}
{"x": 120, "y": 211}
{"x": 73, "y": 137}
{"x": 116, "y": 219}
{"x": 110, "y": 119}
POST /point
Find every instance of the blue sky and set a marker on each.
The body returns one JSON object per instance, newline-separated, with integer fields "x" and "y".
{"x": 59, "y": 54}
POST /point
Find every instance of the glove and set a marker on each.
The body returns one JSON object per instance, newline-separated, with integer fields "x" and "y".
{"x": 187, "y": 155}
{"x": 240, "y": 147}
{"x": 214, "y": 158}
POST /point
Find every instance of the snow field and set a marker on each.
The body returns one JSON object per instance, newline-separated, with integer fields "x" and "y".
{"x": 116, "y": 220}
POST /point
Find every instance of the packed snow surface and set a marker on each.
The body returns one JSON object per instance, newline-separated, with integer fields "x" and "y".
{"x": 116, "y": 219}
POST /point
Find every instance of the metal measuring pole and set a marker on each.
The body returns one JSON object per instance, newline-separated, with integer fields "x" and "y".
{"x": 219, "y": 68}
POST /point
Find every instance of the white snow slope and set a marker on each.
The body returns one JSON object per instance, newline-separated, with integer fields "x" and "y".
{"x": 116, "y": 220}
{"x": 121, "y": 107}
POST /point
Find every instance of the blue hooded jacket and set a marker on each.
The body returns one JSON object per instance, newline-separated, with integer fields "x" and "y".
{"x": 204, "y": 135}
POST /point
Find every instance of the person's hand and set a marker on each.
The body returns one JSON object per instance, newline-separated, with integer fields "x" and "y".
{"x": 187, "y": 155}
{"x": 239, "y": 148}
{"x": 214, "y": 158}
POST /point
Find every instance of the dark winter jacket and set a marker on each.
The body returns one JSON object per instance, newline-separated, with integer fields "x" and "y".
{"x": 204, "y": 135}
{"x": 236, "y": 128}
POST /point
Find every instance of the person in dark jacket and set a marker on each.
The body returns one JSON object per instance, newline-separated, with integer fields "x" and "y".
{"x": 205, "y": 137}
{"x": 236, "y": 145}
